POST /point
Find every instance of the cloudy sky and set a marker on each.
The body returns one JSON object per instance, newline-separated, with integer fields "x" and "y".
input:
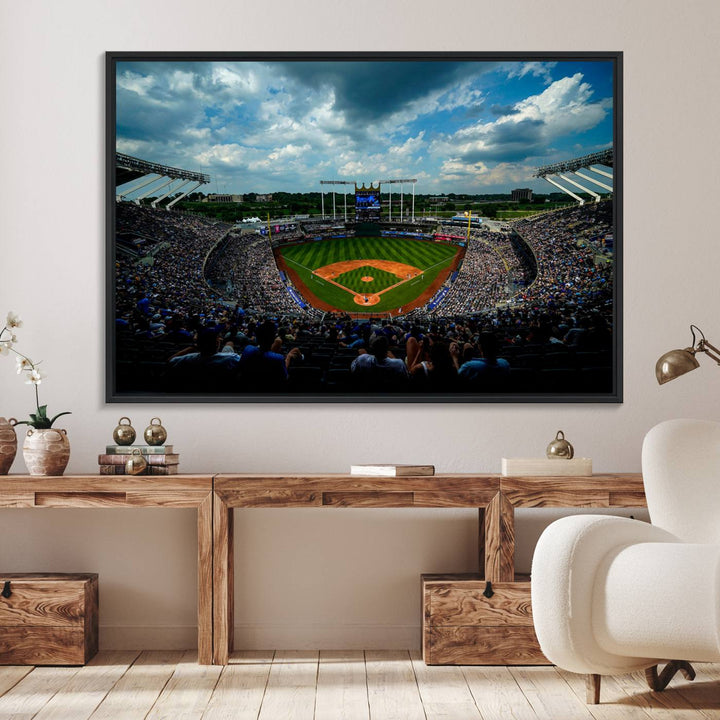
{"x": 463, "y": 127}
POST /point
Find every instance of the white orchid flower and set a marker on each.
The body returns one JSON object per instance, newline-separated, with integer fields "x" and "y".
{"x": 35, "y": 377}
{"x": 23, "y": 364}
{"x": 13, "y": 320}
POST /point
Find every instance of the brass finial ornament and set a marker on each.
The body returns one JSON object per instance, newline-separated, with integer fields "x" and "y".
{"x": 136, "y": 463}
{"x": 155, "y": 433}
{"x": 560, "y": 448}
{"x": 124, "y": 433}
{"x": 678, "y": 362}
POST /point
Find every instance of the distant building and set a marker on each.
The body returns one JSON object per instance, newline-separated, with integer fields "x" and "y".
{"x": 521, "y": 194}
{"x": 264, "y": 198}
{"x": 218, "y": 198}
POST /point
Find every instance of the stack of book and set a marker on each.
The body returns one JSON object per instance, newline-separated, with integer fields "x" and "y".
{"x": 160, "y": 459}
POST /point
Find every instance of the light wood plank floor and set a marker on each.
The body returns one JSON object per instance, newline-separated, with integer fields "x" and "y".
{"x": 349, "y": 685}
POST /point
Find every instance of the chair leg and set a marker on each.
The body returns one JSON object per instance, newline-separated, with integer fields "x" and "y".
{"x": 660, "y": 682}
{"x": 592, "y": 689}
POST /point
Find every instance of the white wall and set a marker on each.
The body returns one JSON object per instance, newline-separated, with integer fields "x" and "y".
{"x": 330, "y": 578}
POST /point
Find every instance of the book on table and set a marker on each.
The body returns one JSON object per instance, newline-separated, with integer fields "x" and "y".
{"x": 167, "y": 459}
{"x": 149, "y": 470}
{"x": 547, "y": 467}
{"x": 392, "y": 470}
{"x": 144, "y": 449}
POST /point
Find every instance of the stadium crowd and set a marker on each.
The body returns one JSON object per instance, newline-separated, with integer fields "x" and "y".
{"x": 490, "y": 265}
{"x": 174, "y": 333}
{"x": 242, "y": 267}
{"x": 566, "y": 259}
{"x": 169, "y": 283}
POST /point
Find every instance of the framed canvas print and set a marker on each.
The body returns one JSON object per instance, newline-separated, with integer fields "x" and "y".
{"x": 364, "y": 227}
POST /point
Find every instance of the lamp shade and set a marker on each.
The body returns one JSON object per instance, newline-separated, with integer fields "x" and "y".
{"x": 675, "y": 363}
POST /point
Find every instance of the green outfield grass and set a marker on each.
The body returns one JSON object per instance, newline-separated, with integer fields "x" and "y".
{"x": 430, "y": 257}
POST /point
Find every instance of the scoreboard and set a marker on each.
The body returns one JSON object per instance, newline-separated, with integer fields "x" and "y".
{"x": 367, "y": 203}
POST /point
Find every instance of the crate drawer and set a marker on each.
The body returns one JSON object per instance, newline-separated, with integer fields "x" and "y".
{"x": 462, "y": 626}
{"x": 48, "y": 619}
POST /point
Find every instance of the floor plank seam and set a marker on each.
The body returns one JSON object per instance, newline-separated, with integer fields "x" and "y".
{"x": 317, "y": 679}
{"x": 472, "y": 694}
{"x": 417, "y": 684}
{"x": 112, "y": 687}
{"x": 159, "y": 695}
{"x": 367, "y": 686}
{"x": 19, "y": 680}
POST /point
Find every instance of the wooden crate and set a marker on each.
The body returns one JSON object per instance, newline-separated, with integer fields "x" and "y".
{"x": 48, "y": 618}
{"x": 461, "y": 626}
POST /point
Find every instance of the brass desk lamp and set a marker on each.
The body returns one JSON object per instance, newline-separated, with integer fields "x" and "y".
{"x": 677, "y": 362}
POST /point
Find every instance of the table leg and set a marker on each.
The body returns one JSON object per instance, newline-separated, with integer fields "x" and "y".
{"x": 499, "y": 545}
{"x": 481, "y": 541}
{"x": 223, "y": 581}
{"x": 205, "y": 579}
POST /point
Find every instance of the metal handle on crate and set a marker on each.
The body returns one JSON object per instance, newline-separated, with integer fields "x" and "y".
{"x": 6, "y": 592}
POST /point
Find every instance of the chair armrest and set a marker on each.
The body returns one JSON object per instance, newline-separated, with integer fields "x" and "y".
{"x": 565, "y": 563}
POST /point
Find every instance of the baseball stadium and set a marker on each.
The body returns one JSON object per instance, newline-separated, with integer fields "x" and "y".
{"x": 330, "y": 286}
{"x": 381, "y": 228}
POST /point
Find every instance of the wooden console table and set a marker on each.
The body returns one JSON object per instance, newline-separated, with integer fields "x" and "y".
{"x": 215, "y": 498}
{"x": 92, "y": 491}
{"x": 495, "y": 497}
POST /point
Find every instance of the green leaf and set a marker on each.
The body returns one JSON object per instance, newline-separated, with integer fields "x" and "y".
{"x": 67, "y": 412}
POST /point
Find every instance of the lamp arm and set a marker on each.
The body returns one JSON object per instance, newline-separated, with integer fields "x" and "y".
{"x": 710, "y": 350}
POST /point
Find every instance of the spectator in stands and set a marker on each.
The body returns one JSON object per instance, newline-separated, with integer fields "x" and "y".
{"x": 263, "y": 368}
{"x": 378, "y": 371}
{"x": 487, "y": 372}
{"x": 438, "y": 372}
{"x": 203, "y": 368}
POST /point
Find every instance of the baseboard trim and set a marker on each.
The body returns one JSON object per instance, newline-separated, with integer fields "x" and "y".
{"x": 327, "y": 637}
{"x": 265, "y": 636}
{"x": 148, "y": 637}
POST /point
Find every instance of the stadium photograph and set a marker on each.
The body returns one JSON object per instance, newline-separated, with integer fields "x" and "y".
{"x": 372, "y": 227}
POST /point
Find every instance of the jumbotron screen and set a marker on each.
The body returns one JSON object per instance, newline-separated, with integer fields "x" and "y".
{"x": 367, "y": 203}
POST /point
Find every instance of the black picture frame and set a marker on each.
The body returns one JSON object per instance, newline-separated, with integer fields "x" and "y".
{"x": 120, "y": 364}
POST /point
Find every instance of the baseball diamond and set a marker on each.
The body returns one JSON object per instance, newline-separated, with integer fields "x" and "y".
{"x": 387, "y": 273}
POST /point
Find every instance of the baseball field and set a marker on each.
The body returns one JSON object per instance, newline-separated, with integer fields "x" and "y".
{"x": 368, "y": 274}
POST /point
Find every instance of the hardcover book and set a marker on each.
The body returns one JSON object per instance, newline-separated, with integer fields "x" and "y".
{"x": 392, "y": 470}
{"x": 149, "y": 470}
{"x": 110, "y": 459}
{"x": 546, "y": 467}
{"x": 144, "y": 449}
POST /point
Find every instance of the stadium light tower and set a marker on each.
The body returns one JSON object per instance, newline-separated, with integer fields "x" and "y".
{"x": 400, "y": 182}
{"x": 322, "y": 195}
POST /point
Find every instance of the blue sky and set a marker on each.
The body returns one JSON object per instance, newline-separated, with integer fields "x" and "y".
{"x": 462, "y": 127}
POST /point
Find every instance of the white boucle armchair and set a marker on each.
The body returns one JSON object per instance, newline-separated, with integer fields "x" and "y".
{"x": 613, "y": 595}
